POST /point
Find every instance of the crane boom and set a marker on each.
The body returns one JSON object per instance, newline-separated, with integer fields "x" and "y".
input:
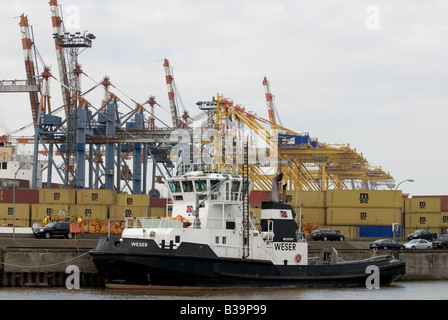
{"x": 270, "y": 102}
{"x": 27, "y": 44}
{"x": 170, "y": 87}
{"x": 58, "y": 29}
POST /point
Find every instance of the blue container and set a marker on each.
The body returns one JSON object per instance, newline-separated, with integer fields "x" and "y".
{"x": 377, "y": 232}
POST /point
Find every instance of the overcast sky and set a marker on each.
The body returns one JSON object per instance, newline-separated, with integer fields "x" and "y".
{"x": 372, "y": 74}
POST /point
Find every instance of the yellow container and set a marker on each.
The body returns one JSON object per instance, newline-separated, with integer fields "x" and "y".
{"x": 305, "y": 198}
{"x": 311, "y": 215}
{"x": 363, "y": 216}
{"x": 89, "y": 212}
{"x": 119, "y": 213}
{"x": 18, "y": 223}
{"x": 422, "y": 220}
{"x": 61, "y": 196}
{"x": 96, "y": 196}
{"x": 415, "y": 205}
{"x": 347, "y": 231}
{"x": 132, "y": 200}
{"x": 22, "y": 211}
{"x": 157, "y": 212}
{"x": 363, "y": 198}
{"x": 54, "y": 211}
{"x": 444, "y": 219}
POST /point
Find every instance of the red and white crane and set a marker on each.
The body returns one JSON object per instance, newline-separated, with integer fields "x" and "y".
{"x": 27, "y": 44}
{"x": 270, "y": 102}
{"x": 171, "y": 97}
{"x": 58, "y": 29}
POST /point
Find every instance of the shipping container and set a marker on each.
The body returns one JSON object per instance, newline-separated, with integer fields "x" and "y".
{"x": 157, "y": 212}
{"x": 315, "y": 199}
{"x": 57, "y": 196}
{"x": 54, "y": 211}
{"x": 21, "y": 196}
{"x": 132, "y": 200}
{"x": 257, "y": 197}
{"x": 443, "y": 201}
{"x": 444, "y": 219}
{"x": 96, "y": 196}
{"x": 422, "y": 220}
{"x": 119, "y": 213}
{"x": 19, "y": 223}
{"x": 289, "y": 140}
{"x": 157, "y": 202}
{"x": 89, "y": 212}
{"x": 417, "y": 205}
{"x": 377, "y": 231}
{"x": 347, "y": 231}
{"x": 311, "y": 215}
{"x": 22, "y": 211}
{"x": 363, "y": 216}
{"x": 363, "y": 198}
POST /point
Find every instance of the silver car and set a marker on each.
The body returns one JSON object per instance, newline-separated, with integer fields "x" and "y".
{"x": 418, "y": 244}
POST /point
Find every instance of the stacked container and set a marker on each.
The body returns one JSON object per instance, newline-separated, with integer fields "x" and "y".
{"x": 19, "y": 201}
{"x": 423, "y": 213}
{"x": 312, "y": 203}
{"x": 372, "y": 211}
{"x": 54, "y": 204}
{"x": 129, "y": 205}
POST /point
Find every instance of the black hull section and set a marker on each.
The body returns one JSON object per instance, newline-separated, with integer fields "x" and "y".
{"x": 194, "y": 266}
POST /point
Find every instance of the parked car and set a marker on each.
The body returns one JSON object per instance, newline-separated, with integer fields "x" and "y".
{"x": 386, "y": 244}
{"x": 326, "y": 234}
{"x": 53, "y": 229}
{"x": 441, "y": 242}
{"x": 418, "y": 244}
{"x": 422, "y": 234}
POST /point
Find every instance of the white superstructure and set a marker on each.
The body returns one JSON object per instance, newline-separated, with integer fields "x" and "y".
{"x": 207, "y": 209}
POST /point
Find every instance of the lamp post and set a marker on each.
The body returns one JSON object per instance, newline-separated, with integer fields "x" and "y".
{"x": 14, "y": 201}
{"x": 407, "y": 180}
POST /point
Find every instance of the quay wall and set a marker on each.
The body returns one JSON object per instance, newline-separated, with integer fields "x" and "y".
{"x": 45, "y": 267}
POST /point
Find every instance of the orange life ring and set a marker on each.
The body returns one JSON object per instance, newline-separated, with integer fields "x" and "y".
{"x": 298, "y": 257}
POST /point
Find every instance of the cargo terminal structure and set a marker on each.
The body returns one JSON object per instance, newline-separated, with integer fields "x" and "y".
{"x": 103, "y": 161}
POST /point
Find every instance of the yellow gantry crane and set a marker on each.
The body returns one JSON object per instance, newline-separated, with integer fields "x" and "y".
{"x": 306, "y": 163}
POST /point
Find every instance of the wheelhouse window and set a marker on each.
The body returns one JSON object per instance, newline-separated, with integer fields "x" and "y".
{"x": 235, "y": 189}
{"x": 200, "y": 185}
{"x": 174, "y": 186}
{"x": 213, "y": 184}
{"x": 187, "y": 186}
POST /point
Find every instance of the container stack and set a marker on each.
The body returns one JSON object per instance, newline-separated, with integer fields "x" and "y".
{"x": 94, "y": 207}
{"x": 371, "y": 211}
{"x": 312, "y": 203}
{"x": 424, "y": 213}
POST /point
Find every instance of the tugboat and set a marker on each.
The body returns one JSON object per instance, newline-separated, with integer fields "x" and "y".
{"x": 213, "y": 241}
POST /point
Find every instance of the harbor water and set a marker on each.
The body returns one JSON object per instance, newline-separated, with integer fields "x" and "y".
{"x": 418, "y": 290}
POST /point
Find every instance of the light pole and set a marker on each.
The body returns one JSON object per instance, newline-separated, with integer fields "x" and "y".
{"x": 407, "y": 180}
{"x": 14, "y": 201}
